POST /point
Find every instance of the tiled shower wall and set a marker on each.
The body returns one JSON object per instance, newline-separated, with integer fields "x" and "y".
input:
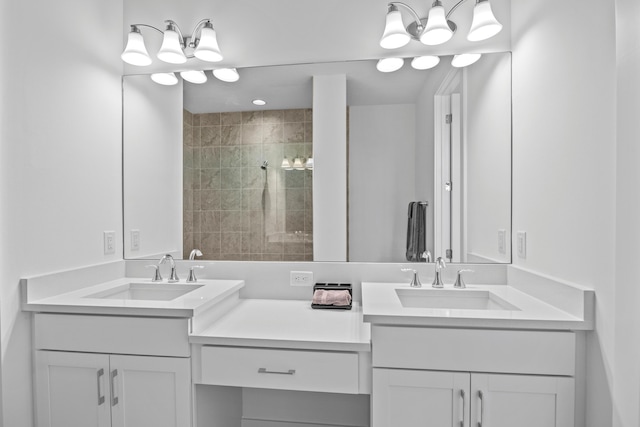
{"x": 233, "y": 208}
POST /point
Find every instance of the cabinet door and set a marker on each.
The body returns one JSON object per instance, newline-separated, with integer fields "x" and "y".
{"x": 150, "y": 391}
{"x": 521, "y": 400}
{"x": 72, "y": 389}
{"x": 410, "y": 398}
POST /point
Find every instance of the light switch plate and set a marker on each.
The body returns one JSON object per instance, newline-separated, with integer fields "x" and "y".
{"x": 502, "y": 241}
{"x": 135, "y": 240}
{"x": 301, "y": 278}
{"x": 521, "y": 241}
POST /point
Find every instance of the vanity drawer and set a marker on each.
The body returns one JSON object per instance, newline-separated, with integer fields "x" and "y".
{"x": 321, "y": 371}
{"x": 154, "y": 336}
{"x": 477, "y": 350}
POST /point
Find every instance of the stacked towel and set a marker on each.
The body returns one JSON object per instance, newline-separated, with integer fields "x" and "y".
{"x": 325, "y": 297}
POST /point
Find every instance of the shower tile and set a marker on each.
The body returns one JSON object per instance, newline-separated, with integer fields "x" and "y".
{"x": 231, "y": 135}
{"x": 292, "y": 116}
{"x": 197, "y": 157}
{"x": 308, "y": 132}
{"x": 195, "y": 136}
{"x": 230, "y": 242}
{"x": 231, "y": 157}
{"x": 210, "y": 244}
{"x": 294, "y": 179}
{"x": 251, "y": 134}
{"x": 274, "y": 247}
{"x": 187, "y": 157}
{"x": 187, "y": 199}
{"x": 187, "y": 117}
{"x": 252, "y": 117}
{"x": 210, "y": 179}
{"x": 230, "y": 178}
{"x": 256, "y": 257}
{"x": 209, "y": 200}
{"x": 273, "y": 133}
{"x": 252, "y": 156}
{"x": 234, "y": 118}
{"x": 308, "y": 199}
{"x": 210, "y": 136}
{"x": 187, "y": 136}
{"x": 210, "y": 157}
{"x": 187, "y": 222}
{"x": 272, "y": 257}
{"x": 210, "y": 222}
{"x": 196, "y": 119}
{"x": 308, "y": 115}
{"x": 273, "y": 116}
{"x": 294, "y": 132}
{"x": 293, "y": 257}
{"x": 196, "y": 200}
{"x": 295, "y": 199}
{"x": 230, "y": 200}
{"x": 253, "y": 178}
{"x": 196, "y": 222}
{"x": 230, "y": 221}
{"x": 210, "y": 119}
{"x": 294, "y": 221}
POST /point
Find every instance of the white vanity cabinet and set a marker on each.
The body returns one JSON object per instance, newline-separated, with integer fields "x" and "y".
{"x": 467, "y": 377}
{"x": 112, "y": 371}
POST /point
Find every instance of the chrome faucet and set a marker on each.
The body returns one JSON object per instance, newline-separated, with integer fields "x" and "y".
{"x": 173, "y": 276}
{"x": 194, "y": 253}
{"x": 440, "y": 265}
{"x": 459, "y": 281}
{"x": 415, "y": 280}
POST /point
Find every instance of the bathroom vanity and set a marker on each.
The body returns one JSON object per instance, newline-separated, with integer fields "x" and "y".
{"x": 130, "y": 352}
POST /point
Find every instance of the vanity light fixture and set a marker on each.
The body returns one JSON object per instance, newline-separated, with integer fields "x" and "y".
{"x": 228, "y": 75}
{"x": 389, "y": 65}
{"x": 286, "y": 164}
{"x": 166, "y": 79}
{"x": 298, "y": 164}
{"x": 309, "y": 163}
{"x": 436, "y": 28}
{"x": 465, "y": 59}
{"x": 425, "y": 62}
{"x": 194, "y": 76}
{"x": 203, "y": 41}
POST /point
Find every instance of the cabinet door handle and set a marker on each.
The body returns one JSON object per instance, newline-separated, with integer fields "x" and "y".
{"x": 100, "y": 394}
{"x": 114, "y": 398}
{"x": 265, "y": 371}
{"x": 462, "y": 396}
{"x": 481, "y": 399}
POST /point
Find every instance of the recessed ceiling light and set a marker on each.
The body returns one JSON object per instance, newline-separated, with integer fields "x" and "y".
{"x": 167, "y": 79}
{"x": 259, "y": 102}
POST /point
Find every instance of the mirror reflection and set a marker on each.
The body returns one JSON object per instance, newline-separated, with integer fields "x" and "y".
{"x": 206, "y": 169}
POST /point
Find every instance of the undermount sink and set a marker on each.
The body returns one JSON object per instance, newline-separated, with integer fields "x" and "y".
{"x": 454, "y": 299}
{"x": 146, "y": 291}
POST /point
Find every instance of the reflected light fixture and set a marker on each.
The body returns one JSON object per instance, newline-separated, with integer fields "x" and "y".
{"x": 298, "y": 164}
{"x": 166, "y": 79}
{"x": 203, "y": 42}
{"x": 425, "y": 62}
{"x": 309, "y": 163}
{"x": 229, "y": 75}
{"x": 389, "y": 65}
{"x": 194, "y": 76}
{"x": 286, "y": 164}
{"x": 436, "y": 28}
{"x": 465, "y": 59}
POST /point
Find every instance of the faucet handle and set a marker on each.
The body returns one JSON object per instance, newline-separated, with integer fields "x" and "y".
{"x": 415, "y": 281}
{"x": 173, "y": 277}
{"x": 157, "y": 277}
{"x": 192, "y": 274}
{"x": 459, "y": 282}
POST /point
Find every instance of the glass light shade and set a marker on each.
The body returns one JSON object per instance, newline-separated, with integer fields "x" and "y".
{"x": 208, "y": 49}
{"x": 171, "y": 49}
{"x": 135, "y": 53}
{"x": 309, "y": 163}
{"x": 395, "y": 34}
{"x": 227, "y": 74}
{"x": 389, "y": 65}
{"x": 194, "y": 76}
{"x": 425, "y": 62}
{"x": 437, "y": 30}
{"x": 297, "y": 164}
{"x": 464, "y": 60}
{"x": 484, "y": 24}
{"x": 286, "y": 164}
{"x": 166, "y": 79}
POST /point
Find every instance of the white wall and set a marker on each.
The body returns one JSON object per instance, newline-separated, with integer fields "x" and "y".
{"x": 487, "y": 152}
{"x": 60, "y": 159}
{"x": 381, "y": 181}
{"x": 152, "y": 133}
{"x": 330, "y": 168}
{"x": 626, "y": 392}
{"x": 564, "y": 161}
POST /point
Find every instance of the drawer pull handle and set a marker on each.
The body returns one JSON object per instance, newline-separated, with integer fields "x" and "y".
{"x": 265, "y": 371}
{"x": 100, "y": 395}
{"x": 114, "y": 398}
{"x": 481, "y": 399}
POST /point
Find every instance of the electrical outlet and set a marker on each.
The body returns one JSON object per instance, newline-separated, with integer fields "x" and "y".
{"x": 521, "y": 241}
{"x": 109, "y": 242}
{"x": 502, "y": 241}
{"x": 301, "y": 278}
{"x": 135, "y": 240}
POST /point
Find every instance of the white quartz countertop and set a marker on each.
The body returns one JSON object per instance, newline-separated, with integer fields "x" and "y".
{"x": 86, "y": 300}
{"x": 381, "y": 305}
{"x": 288, "y": 324}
